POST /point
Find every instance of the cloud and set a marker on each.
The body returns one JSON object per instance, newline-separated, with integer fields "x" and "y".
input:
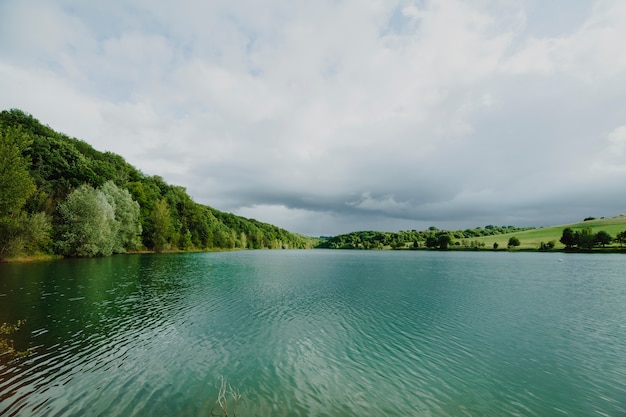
{"x": 333, "y": 116}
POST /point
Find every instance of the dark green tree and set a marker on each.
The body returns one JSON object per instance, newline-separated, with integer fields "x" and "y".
{"x": 443, "y": 240}
{"x": 569, "y": 238}
{"x": 602, "y": 238}
{"x": 585, "y": 238}
{"x": 621, "y": 238}
{"x": 513, "y": 242}
{"x": 16, "y": 184}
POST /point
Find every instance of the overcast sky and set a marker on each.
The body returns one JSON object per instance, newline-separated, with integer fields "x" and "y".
{"x": 330, "y": 116}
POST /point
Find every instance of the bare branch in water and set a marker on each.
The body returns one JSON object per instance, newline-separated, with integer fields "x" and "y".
{"x": 226, "y": 390}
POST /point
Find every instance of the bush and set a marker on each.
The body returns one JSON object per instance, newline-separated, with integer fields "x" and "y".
{"x": 513, "y": 242}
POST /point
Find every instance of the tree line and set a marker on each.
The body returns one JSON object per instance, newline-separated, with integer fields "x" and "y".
{"x": 585, "y": 239}
{"x": 431, "y": 238}
{"x": 58, "y": 195}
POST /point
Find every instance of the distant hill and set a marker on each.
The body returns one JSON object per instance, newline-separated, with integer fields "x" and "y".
{"x": 531, "y": 239}
{"x": 57, "y": 165}
{"x": 545, "y": 238}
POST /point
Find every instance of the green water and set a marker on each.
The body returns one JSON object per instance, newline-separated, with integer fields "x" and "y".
{"x": 318, "y": 333}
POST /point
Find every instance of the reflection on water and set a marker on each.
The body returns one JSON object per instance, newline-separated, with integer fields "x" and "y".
{"x": 318, "y": 333}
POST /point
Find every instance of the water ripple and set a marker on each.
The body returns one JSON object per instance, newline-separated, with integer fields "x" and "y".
{"x": 321, "y": 333}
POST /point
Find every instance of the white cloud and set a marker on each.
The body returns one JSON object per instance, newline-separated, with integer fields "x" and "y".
{"x": 286, "y": 111}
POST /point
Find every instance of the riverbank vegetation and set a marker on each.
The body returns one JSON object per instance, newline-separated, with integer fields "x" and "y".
{"x": 60, "y": 196}
{"x": 600, "y": 235}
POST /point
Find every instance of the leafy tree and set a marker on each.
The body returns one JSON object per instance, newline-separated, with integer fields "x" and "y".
{"x": 569, "y": 238}
{"x": 444, "y": 240}
{"x": 513, "y": 242}
{"x": 16, "y": 184}
{"x": 163, "y": 228}
{"x": 585, "y": 238}
{"x": 89, "y": 227}
{"x": 431, "y": 242}
{"x": 127, "y": 215}
{"x": 603, "y": 238}
{"x": 621, "y": 238}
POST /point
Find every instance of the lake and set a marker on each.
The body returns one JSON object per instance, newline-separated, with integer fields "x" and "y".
{"x": 318, "y": 333}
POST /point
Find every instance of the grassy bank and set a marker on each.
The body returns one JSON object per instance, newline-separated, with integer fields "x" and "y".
{"x": 531, "y": 239}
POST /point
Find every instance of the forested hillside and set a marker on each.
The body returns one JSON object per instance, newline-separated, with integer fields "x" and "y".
{"x": 60, "y": 195}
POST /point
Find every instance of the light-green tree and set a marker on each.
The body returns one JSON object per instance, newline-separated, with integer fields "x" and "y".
{"x": 163, "y": 227}
{"x": 127, "y": 215}
{"x": 89, "y": 226}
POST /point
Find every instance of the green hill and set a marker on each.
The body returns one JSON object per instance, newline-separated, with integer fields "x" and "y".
{"x": 41, "y": 169}
{"x": 531, "y": 239}
{"x": 476, "y": 238}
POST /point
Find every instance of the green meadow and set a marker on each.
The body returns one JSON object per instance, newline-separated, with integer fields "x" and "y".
{"x": 531, "y": 239}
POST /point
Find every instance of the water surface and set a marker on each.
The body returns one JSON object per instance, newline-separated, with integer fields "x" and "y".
{"x": 318, "y": 333}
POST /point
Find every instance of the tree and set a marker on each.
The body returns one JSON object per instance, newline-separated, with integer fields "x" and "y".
{"x": 603, "y": 238}
{"x": 163, "y": 228}
{"x": 431, "y": 242}
{"x": 569, "y": 238}
{"x": 127, "y": 215}
{"x": 585, "y": 239}
{"x": 88, "y": 225}
{"x": 513, "y": 242}
{"x": 621, "y": 238}
{"x": 444, "y": 240}
{"x": 16, "y": 185}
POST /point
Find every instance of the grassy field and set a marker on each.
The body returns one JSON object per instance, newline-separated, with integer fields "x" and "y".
{"x": 531, "y": 239}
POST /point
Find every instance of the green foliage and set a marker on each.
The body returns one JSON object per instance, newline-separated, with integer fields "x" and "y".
{"x": 16, "y": 185}
{"x": 568, "y": 238}
{"x": 411, "y": 239}
{"x": 621, "y": 238}
{"x": 545, "y": 247}
{"x": 127, "y": 215}
{"x": 443, "y": 240}
{"x": 513, "y": 242}
{"x": 89, "y": 226}
{"x": 163, "y": 230}
{"x": 602, "y": 238}
{"x": 585, "y": 238}
{"x": 46, "y": 167}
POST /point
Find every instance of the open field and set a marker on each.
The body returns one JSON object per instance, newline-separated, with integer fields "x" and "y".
{"x": 531, "y": 239}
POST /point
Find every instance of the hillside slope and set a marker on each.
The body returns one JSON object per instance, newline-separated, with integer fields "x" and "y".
{"x": 531, "y": 239}
{"x": 170, "y": 220}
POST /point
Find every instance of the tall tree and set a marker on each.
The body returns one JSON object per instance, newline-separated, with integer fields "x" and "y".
{"x": 569, "y": 238}
{"x": 89, "y": 227}
{"x": 127, "y": 215}
{"x": 163, "y": 228}
{"x": 16, "y": 185}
